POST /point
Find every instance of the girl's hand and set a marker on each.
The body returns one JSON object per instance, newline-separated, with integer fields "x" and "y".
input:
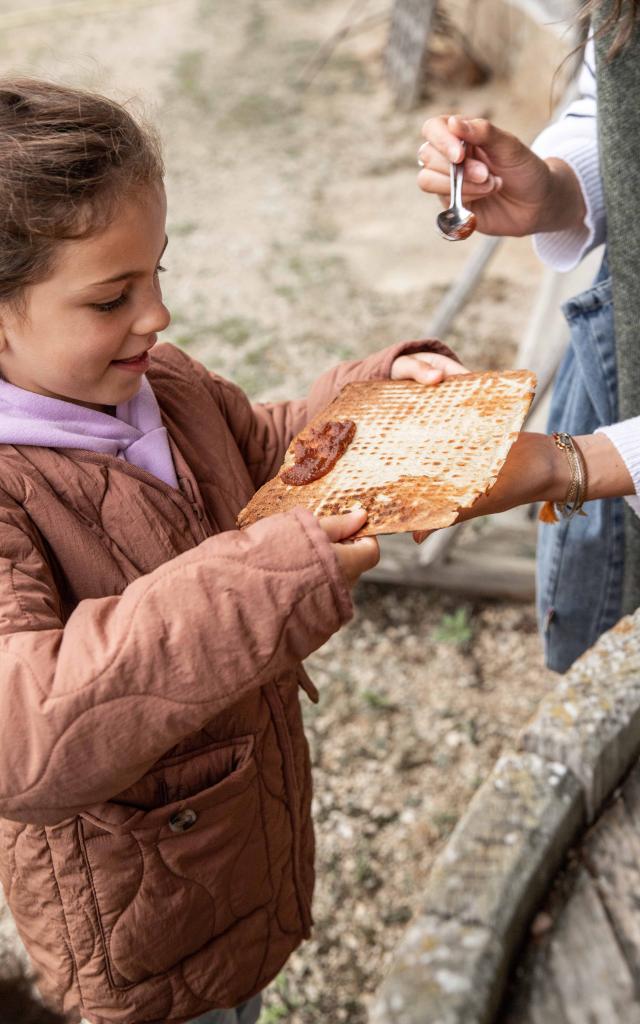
{"x": 425, "y": 367}
{"x": 354, "y": 556}
{"x": 510, "y": 189}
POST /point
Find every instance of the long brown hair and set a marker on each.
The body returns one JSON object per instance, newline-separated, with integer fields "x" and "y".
{"x": 67, "y": 157}
{"x": 621, "y": 21}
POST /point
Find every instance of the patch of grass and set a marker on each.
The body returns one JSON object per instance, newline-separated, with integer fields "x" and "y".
{"x": 352, "y": 70}
{"x": 188, "y": 74}
{"x": 471, "y": 728}
{"x": 377, "y": 701}
{"x": 454, "y": 629}
{"x": 273, "y": 1014}
{"x": 255, "y": 380}
{"x": 317, "y": 270}
{"x": 397, "y": 915}
{"x": 366, "y": 876}
{"x": 185, "y": 339}
{"x": 445, "y": 821}
{"x": 256, "y": 25}
{"x": 183, "y": 228}
{"x": 236, "y": 330}
{"x": 287, "y": 1004}
{"x": 254, "y": 111}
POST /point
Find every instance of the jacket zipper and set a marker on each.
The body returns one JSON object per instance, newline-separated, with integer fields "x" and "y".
{"x": 291, "y": 787}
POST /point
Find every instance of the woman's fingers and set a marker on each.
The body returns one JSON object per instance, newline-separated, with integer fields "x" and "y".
{"x": 439, "y": 185}
{"x": 474, "y": 170}
{"x": 437, "y": 132}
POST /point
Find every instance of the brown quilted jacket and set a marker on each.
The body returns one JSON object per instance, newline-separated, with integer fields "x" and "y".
{"x": 156, "y": 846}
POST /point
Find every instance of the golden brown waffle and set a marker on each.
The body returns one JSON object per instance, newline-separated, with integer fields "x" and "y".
{"x": 420, "y": 453}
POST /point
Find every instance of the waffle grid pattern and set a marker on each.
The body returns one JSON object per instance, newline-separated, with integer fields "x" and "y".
{"x": 419, "y": 454}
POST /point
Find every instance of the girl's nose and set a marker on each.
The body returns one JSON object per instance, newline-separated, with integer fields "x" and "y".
{"x": 154, "y": 318}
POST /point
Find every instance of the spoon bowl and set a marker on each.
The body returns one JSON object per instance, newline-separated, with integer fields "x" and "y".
{"x": 457, "y": 222}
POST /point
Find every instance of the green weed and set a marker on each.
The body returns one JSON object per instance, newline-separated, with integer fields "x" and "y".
{"x": 377, "y": 701}
{"x": 273, "y": 1014}
{"x": 188, "y": 73}
{"x": 444, "y": 821}
{"x": 454, "y": 629}
{"x": 235, "y": 330}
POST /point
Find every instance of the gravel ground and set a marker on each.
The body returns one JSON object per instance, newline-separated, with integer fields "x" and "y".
{"x": 298, "y": 238}
{"x": 419, "y": 697}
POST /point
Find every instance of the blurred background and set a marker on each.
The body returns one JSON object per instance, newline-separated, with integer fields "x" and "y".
{"x": 298, "y": 237}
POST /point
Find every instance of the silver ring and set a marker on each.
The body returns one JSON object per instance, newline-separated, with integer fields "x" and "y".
{"x": 420, "y": 162}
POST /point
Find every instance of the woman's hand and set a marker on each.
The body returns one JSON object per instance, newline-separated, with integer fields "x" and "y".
{"x": 510, "y": 189}
{"x": 354, "y": 556}
{"x": 532, "y": 472}
{"x": 537, "y": 470}
{"x": 426, "y": 368}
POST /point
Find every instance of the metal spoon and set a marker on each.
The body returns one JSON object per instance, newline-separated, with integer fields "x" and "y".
{"x": 457, "y": 222}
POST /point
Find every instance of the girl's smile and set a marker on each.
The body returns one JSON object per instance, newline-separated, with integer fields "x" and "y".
{"x": 135, "y": 364}
{"x": 86, "y": 330}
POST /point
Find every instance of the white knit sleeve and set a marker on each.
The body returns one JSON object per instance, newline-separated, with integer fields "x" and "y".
{"x": 574, "y": 139}
{"x": 626, "y": 437}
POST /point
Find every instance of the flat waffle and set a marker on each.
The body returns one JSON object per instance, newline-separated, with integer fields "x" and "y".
{"x": 420, "y": 453}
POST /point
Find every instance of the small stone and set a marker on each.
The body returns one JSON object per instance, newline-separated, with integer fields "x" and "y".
{"x": 541, "y": 924}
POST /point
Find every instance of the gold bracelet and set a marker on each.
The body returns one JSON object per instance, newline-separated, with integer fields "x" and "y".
{"x": 577, "y": 491}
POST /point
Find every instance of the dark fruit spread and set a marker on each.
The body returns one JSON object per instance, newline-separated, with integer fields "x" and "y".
{"x": 317, "y": 452}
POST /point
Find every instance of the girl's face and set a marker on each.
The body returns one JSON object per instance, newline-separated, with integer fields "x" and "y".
{"x": 86, "y": 331}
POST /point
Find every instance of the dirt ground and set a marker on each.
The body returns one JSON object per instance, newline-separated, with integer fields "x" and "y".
{"x": 298, "y": 238}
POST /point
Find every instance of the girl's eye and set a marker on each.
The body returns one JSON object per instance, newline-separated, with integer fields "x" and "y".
{"x": 106, "y": 307}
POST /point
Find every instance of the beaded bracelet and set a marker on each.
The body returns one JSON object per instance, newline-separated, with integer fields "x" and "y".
{"x": 577, "y": 491}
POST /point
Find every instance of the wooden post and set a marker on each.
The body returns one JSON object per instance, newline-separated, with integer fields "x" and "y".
{"x": 407, "y": 48}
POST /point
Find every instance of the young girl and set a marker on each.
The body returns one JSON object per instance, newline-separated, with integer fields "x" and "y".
{"x": 156, "y": 848}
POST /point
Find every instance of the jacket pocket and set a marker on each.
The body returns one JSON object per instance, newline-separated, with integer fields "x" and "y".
{"x": 166, "y": 881}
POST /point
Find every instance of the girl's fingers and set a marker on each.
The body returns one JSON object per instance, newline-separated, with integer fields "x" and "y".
{"x": 450, "y": 367}
{"x": 340, "y": 527}
{"x": 426, "y": 368}
{"x": 356, "y": 557}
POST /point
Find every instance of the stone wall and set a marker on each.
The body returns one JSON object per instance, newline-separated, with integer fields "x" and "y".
{"x": 451, "y": 966}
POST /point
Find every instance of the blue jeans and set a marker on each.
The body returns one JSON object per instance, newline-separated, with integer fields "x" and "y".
{"x": 581, "y": 560}
{"x": 248, "y": 1013}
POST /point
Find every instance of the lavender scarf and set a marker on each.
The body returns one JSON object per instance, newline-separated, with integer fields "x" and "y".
{"x": 135, "y": 433}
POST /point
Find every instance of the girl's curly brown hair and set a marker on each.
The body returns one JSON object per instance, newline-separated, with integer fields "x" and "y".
{"x": 67, "y": 158}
